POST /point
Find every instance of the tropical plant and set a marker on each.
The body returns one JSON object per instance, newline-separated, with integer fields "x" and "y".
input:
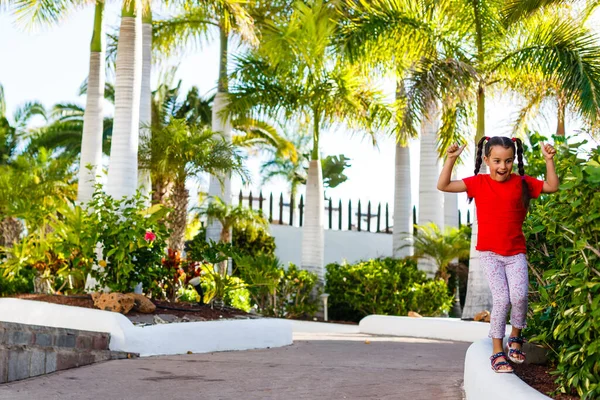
{"x": 178, "y": 151}
{"x": 231, "y": 217}
{"x": 562, "y": 247}
{"x": 442, "y": 248}
{"x": 133, "y": 241}
{"x": 228, "y": 17}
{"x": 295, "y": 75}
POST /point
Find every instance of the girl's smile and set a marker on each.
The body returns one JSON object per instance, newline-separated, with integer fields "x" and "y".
{"x": 500, "y": 163}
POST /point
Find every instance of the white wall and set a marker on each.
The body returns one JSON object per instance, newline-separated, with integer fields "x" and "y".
{"x": 339, "y": 245}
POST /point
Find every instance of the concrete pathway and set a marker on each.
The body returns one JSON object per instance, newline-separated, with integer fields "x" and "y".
{"x": 326, "y": 361}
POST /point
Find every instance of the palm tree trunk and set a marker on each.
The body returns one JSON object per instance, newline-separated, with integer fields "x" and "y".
{"x": 178, "y": 217}
{"x": 223, "y": 126}
{"x": 451, "y": 208}
{"x": 10, "y": 231}
{"x": 562, "y": 109}
{"x": 431, "y": 200}
{"x": 122, "y": 170}
{"x": 479, "y": 296}
{"x": 90, "y": 162}
{"x": 313, "y": 234}
{"x": 144, "y": 179}
{"x": 403, "y": 222}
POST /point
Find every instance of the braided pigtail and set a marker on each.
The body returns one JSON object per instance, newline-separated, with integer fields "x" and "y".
{"x": 525, "y": 196}
{"x": 479, "y": 157}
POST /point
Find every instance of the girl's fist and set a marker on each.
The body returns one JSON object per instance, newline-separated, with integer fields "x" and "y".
{"x": 454, "y": 150}
{"x": 548, "y": 151}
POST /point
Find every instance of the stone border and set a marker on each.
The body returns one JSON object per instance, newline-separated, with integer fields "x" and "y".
{"x": 480, "y": 382}
{"x": 167, "y": 339}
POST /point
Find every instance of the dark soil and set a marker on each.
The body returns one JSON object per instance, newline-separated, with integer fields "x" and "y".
{"x": 538, "y": 377}
{"x": 194, "y": 311}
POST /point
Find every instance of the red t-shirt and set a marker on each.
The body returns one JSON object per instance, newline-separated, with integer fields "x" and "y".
{"x": 500, "y": 212}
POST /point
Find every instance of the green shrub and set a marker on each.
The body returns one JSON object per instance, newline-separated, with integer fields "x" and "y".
{"x": 563, "y": 232}
{"x": 276, "y": 291}
{"x": 18, "y": 284}
{"x": 383, "y": 286}
{"x": 253, "y": 241}
{"x": 133, "y": 242}
{"x": 248, "y": 241}
{"x": 239, "y": 296}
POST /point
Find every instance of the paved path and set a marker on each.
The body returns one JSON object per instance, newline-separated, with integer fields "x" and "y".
{"x": 339, "y": 364}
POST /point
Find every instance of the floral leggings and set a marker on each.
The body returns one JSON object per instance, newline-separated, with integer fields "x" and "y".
{"x": 507, "y": 277}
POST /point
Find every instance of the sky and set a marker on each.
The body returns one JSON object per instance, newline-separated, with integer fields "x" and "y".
{"x": 50, "y": 64}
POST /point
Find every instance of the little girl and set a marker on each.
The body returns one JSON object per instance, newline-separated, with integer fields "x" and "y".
{"x": 502, "y": 199}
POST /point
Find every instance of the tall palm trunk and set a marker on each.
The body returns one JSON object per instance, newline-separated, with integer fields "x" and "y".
{"x": 144, "y": 180}
{"x": 562, "y": 109}
{"x": 223, "y": 126}
{"x": 451, "y": 208}
{"x": 431, "y": 200}
{"x": 313, "y": 234}
{"x": 178, "y": 217}
{"x": 122, "y": 170}
{"x": 403, "y": 223}
{"x": 90, "y": 162}
{"x": 10, "y": 231}
{"x": 479, "y": 296}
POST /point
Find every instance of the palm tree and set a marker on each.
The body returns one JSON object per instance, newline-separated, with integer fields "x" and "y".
{"x": 441, "y": 247}
{"x": 295, "y": 75}
{"x": 90, "y": 164}
{"x": 123, "y": 165}
{"x": 182, "y": 146}
{"x": 228, "y": 17}
{"x": 144, "y": 176}
{"x": 557, "y": 47}
{"x": 376, "y": 32}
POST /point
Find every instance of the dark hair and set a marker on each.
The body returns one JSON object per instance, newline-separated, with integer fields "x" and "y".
{"x": 507, "y": 143}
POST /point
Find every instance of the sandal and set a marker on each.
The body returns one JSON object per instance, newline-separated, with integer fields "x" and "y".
{"x": 496, "y": 365}
{"x": 511, "y": 352}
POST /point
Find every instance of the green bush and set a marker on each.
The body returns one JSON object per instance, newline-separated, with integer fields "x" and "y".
{"x": 276, "y": 291}
{"x": 253, "y": 241}
{"x": 383, "y": 286}
{"x": 563, "y": 232}
{"x": 18, "y": 284}
{"x": 133, "y": 242}
{"x": 249, "y": 241}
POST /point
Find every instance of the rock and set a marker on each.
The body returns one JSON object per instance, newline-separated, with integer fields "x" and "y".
{"x": 413, "y": 314}
{"x": 116, "y": 302}
{"x": 483, "y": 316}
{"x": 142, "y": 304}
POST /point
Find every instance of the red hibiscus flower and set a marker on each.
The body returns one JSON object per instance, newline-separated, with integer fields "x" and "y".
{"x": 150, "y": 236}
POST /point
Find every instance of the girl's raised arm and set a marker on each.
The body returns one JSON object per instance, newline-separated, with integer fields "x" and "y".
{"x": 445, "y": 184}
{"x": 551, "y": 183}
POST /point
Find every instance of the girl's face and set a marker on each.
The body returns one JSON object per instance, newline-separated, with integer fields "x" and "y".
{"x": 500, "y": 163}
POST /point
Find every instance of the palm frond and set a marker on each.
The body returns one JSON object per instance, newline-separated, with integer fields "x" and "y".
{"x": 26, "y": 112}
{"x": 564, "y": 52}
{"x": 32, "y": 13}
{"x": 67, "y": 111}
{"x": 516, "y": 10}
